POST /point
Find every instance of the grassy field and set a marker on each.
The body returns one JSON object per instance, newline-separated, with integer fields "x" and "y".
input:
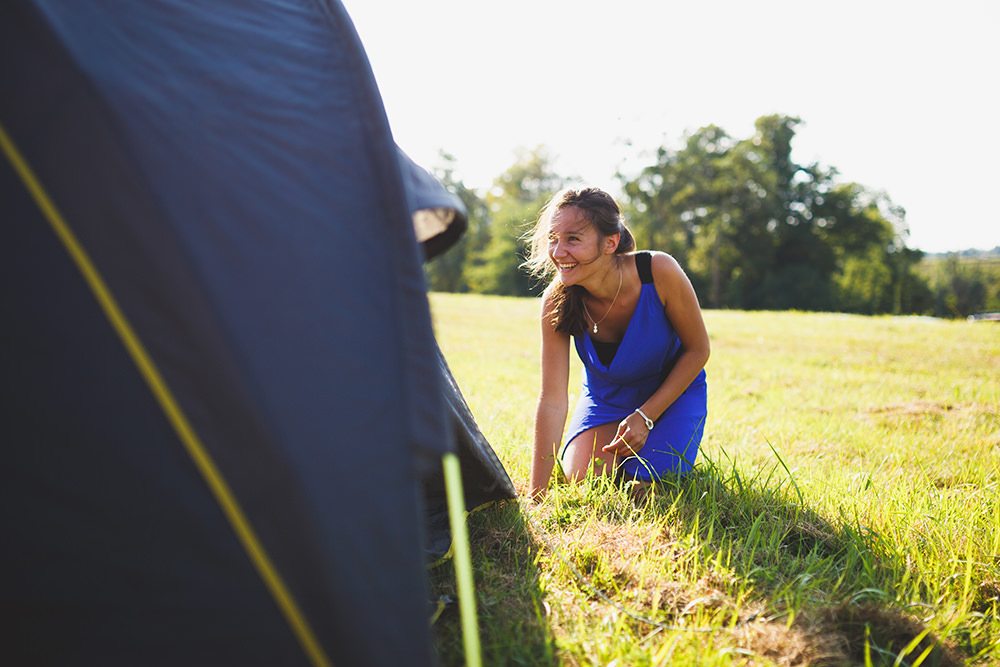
{"x": 845, "y": 509}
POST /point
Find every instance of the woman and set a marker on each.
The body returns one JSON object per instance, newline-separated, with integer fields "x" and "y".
{"x": 637, "y": 328}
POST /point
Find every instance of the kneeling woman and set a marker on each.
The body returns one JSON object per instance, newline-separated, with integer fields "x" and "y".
{"x": 637, "y": 327}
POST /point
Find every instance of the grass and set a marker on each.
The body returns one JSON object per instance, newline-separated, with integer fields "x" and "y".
{"x": 845, "y": 509}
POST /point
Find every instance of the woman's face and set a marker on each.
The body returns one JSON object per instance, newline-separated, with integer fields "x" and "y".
{"x": 574, "y": 245}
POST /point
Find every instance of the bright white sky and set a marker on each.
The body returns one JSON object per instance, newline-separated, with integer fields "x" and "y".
{"x": 898, "y": 95}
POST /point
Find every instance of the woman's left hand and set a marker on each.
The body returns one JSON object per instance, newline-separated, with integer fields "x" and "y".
{"x": 630, "y": 438}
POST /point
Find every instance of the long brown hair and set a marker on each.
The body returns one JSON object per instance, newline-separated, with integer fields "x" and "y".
{"x": 602, "y": 211}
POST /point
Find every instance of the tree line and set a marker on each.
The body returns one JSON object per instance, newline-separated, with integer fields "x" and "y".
{"x": 752, "y": 228}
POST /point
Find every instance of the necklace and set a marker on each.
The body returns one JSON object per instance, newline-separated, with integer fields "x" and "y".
{"x": 591, "y": 317}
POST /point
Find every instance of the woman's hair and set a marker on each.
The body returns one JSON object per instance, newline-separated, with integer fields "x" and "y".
{"x": 602, "y": 211}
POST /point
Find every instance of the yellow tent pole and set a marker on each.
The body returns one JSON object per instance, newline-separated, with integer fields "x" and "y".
{"x": 463, "y": 561}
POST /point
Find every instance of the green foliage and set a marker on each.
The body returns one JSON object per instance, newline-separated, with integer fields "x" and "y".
{"x": 449, "y": 271}
{"x": 864, "y": 283}
{"x": 488, "y": 259}
{"x": 962, "y": 285}
{"x": 753, "y": 229}
{"x": 497, "y": 268}
{"x": 756, "y": 230}
{"x": 845, "y": 507}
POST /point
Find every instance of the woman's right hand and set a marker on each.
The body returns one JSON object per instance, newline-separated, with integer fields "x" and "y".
{"x": 630, "y": 438}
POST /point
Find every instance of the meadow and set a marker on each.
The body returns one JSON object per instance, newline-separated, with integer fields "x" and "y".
{"x": 845, "y": 509}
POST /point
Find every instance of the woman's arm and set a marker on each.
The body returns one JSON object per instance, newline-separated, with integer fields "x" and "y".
{"x": 684, "y": 313}
{"x": 553, "y": 403}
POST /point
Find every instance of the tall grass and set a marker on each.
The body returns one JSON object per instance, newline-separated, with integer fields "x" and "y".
{"x": 845, "y": 508}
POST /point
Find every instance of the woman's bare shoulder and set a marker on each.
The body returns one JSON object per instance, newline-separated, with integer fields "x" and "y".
{"x": 668, "y": 276}
{"x": 664, "y": 265}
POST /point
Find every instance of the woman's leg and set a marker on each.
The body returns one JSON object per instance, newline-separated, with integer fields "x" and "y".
{"x": 584, "y": 453}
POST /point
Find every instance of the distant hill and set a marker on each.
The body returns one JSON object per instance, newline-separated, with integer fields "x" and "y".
{"x": 966, "y": 254}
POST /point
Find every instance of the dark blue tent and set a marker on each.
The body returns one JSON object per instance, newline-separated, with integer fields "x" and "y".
{"x": 223, "y": 405}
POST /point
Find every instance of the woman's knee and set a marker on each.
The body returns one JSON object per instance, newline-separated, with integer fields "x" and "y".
{"x": 576, "y": 463}
{"x": 584, "y": 454}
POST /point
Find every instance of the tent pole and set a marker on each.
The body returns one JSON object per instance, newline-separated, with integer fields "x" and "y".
{"x": 463, "y": 560}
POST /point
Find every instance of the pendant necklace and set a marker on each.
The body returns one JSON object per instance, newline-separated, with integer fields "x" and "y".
{"x": 590, "y": 317}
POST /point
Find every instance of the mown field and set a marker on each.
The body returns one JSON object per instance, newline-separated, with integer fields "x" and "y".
{"x": 845, "y": 509}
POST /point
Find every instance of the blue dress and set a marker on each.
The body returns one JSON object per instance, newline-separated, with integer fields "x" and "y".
{"x": 644, "y": 357}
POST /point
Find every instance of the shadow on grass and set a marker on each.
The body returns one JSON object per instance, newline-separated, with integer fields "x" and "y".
{"x": 512, "y": 621}
{"x": 803, "y": 590}
{"x": 833, "y": 585}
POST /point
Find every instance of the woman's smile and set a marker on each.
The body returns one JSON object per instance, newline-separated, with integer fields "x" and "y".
{"x": 571, "y": 236}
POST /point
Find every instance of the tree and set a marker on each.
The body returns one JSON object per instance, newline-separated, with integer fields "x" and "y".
{"x": 447, "y": 272}
{"x": 792, "y": 266}
{"x": 865, "y": 227}
{"x": 757, "y": 230}
{"x": 513, "y": 203}
{"x": 864, "y": 283}
{"x": 679, "y": 202}
{"x": 753, "y": 228}
{"x": 736, "y": 214}
{"x": 961, "y": 292}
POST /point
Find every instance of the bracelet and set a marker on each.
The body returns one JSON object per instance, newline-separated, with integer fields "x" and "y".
{"x": 649, "y": 422}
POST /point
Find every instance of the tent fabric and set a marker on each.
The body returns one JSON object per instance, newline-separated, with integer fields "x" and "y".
{"x": 484, "y": 478}
{"x": 439, "y": 217}
{"x": 228, "y": 170}
{"x": 483, "y": 474}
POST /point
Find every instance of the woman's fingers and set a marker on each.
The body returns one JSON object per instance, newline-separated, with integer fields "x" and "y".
{"x": 613, "y": 446}
{"x": 626, "y": 441}
{"x": 617, "y": 443}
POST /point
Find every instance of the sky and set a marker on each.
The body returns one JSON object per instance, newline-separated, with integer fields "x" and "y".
{"x": 900, "y": 96}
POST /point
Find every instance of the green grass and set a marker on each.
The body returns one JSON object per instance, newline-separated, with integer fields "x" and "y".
{"x": 845, "y": 509}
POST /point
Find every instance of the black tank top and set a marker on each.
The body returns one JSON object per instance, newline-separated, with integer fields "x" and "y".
{"x": 606, "y": 351}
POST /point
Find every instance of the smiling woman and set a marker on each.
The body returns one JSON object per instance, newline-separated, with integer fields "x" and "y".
{"x": 638, "y": 330}
{"x": 567, "y": 246}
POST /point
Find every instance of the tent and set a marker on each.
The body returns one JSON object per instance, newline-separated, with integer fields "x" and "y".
{"x": 223, "y": 407}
